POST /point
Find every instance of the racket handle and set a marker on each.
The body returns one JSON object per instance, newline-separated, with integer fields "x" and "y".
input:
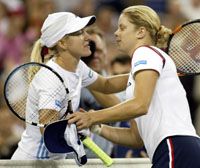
{"x": 107, "y": 160}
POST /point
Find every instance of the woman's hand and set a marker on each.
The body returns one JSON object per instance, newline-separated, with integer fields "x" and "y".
{"x": 82, "y": 119}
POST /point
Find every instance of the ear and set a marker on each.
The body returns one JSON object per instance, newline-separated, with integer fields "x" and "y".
{"x": 62, "y": 44}
{"x": 141, "y": 32}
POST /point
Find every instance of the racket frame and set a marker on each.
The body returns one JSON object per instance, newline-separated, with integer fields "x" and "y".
{"x": 177, "y": 29}
{"x": 41, "y": 65}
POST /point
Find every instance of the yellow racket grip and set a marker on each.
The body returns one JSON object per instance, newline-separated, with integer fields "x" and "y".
{"x": 107, "y": 160}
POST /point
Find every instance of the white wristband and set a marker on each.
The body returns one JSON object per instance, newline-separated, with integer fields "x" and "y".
{"x": 96, "y": 129}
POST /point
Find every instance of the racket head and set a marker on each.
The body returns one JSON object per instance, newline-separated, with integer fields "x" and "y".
{"x": 183, "y": 48}
{"x": 19, "y": 93}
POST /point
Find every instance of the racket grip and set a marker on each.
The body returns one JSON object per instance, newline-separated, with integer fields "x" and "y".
{"x": 107, "y": 160}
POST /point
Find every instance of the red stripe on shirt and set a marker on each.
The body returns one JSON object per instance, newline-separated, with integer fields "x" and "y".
{"x": 157, "y": 52}
{"x": 172, "y": 152}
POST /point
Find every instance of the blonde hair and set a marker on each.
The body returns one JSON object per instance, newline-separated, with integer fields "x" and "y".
{"x": 36, "y": 52}
{"x": 144, "y": 16}
{"x": 35, "y": 57}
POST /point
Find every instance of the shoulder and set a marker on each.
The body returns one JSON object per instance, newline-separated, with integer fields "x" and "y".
{"x": 81, "y": 64}
{"x": 149, "y": 52}
{"x": 146, "y": 50}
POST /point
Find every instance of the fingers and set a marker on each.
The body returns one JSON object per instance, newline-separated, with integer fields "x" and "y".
{"x": 72, "y": 118}
{"x": 78, "y": 119}
{"x": 82, "y": 110}
{"x": 80, "y": 125}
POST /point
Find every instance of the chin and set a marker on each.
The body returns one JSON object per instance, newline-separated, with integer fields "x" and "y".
{"x": 86, "y": 54}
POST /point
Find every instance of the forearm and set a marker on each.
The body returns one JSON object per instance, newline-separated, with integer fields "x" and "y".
{"x": 116, "y": 83}
{"x": 106, "y": 100}
{"x": 124, "y": 111}
{"x": 145, "y": 82}
{"x": 41, "y": 130}
{"x": 121, "y": 136}
{"x": 109, "y": 85}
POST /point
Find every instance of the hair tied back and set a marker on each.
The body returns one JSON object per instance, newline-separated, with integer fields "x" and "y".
{"x": 44, "y": 51}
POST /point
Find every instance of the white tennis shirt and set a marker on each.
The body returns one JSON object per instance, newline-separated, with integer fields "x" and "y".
{"x": 169, "y": 112}
{"x": 32, "y": 141}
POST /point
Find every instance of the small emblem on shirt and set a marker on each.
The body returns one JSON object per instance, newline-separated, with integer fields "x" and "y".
{"x": 58, "y": 103}
{"x": 90, "y": 74}
{"x": 140, "y": 62}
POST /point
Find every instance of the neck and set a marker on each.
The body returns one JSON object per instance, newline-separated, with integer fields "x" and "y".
{"x": 67, "y": 62}
{"x": 139, "y": 44}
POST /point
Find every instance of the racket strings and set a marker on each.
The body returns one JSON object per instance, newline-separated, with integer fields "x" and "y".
{"x": 47, "y": 116}
{"x": 16, "y": 89}
{"x": 31, "y": 72}
{"x": 184, "y": 48}
{"x": 47, "y": 113}
{"x": 22, "y": 94}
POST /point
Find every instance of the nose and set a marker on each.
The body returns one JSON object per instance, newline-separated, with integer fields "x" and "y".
{"x": 86, "y": 35}
{"x": 116, "y": 33}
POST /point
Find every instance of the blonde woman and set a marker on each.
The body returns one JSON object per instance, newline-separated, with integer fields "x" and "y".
{"x": 156, "y": 103}
{"x": 64, "y": 36}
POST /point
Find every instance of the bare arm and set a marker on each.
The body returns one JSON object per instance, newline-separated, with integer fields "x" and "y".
{"x": 47, "y": 116}
{"x": 145, "y": 82}
{"x": 111, "y": 84}
{"x": 106, "y": 100}
{"x": 123, "y": 136}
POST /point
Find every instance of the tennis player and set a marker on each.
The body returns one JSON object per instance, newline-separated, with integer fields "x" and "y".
{"x": 64, "y": 36}
{"x": 156, "y": 102}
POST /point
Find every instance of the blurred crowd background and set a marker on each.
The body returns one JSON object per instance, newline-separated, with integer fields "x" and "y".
{"x": 20, "y": 24}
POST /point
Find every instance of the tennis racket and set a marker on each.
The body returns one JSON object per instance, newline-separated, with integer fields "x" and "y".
{"x": 53, "y": 104}
{"x": 20, "y": 90}
{"x": 54, "y": 141}
{"x": 107, "y": 160}
{"x": 184, "y": 48}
